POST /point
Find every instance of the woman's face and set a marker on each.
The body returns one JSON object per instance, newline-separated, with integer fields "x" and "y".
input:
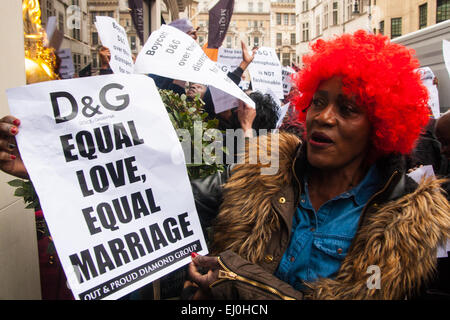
{"x": 337, "y": 129}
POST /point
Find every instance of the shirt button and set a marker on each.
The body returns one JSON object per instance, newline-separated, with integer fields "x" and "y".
{"x": 339, "y": 250}
{"x": 269, "y": 258}
{"x": 292, "y": 259}
{"x": 282, "y": 200}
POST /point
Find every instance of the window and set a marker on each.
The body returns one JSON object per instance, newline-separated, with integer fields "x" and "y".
{"x": 201, "y": 40}
{"x": 76, "y": 34}
{"x": 94, "y": 38}
{"x": 286, "y": 59}
{"x": 305, "y": 32}
{"x": 260, "y": 7}
{"x": 396, "y": 27}
{"x": 442, "y": 10}
{"x": 278, "y": 18}
{"x": 249, "y": 41}
{"x": 255, "y": 23}
{"x": 325, "y": 16}
{"x": 133, "y": 42}
{"x": 423, "y": 13}
{"x": 286, "y": 19}
{"x": 292, "y": 19}
{"x": 305, "y": 5}
{"x": 256, "y": 41}
{"x": 250, "y": 7}
{"x": 228, "y": 41}
{"x": 61, "y": 22}
{"x": 293, "y": 39}
{"x": 349, "y": 9}
{"x": 335, "y": 13}
{"x": 382, "y": 27}
{"x": 94, "y": 60}
{"x": 317, "y": 26}
{"x": 278, "y": 39}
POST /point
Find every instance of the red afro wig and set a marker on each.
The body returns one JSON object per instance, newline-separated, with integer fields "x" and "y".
{"x": 381, "y": 75}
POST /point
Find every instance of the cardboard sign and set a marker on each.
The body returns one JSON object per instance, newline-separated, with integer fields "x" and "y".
{"x": 66, "y": 68}
{"x": 113, "y": 36}
{"x": 171, "y": 53}
{"x": 265, "y": 72}
{"x": 111, "y": 178}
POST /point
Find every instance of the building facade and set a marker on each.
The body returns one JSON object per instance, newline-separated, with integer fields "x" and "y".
{"x": 397, "y": 18}
{"x": 283, "y": 30}
{"x": 326, "y": 18}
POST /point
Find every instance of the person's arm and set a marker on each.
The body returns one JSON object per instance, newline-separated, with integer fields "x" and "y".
{"x": 247, "y": 58}
{"x": 208, "y": 195}
{"x": 231, "y": 277}
{"x": 105, "y": 57}
{"x": 10, "y": 159}
{"x": 246, "y": 115}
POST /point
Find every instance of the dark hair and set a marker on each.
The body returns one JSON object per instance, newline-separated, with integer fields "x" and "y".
{"x": 267, "y": 111}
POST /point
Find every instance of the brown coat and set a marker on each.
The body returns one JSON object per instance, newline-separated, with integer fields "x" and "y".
{"x": 399, "y": 231}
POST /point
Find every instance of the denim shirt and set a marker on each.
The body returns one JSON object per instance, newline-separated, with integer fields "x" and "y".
{"x": 320, "y": 240}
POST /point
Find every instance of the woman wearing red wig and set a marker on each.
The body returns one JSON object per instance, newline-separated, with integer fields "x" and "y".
{"x": 340, "y": 219}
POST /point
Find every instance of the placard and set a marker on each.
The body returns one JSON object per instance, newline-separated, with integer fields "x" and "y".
{"x": 110, "y": 173}
{"x": 114, "y": 37}
{"x": 171, "y": 53}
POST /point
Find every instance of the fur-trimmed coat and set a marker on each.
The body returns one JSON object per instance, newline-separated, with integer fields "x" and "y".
{"x": 399, "y": 231}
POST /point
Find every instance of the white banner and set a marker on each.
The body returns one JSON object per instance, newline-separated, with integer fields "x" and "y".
{"x": 66, "y": 68}
{"x": 114, "y": 190}
{"x": 171, "y": 53}
{"x": 113, "y": 36}
{"x": 265, "y": 72}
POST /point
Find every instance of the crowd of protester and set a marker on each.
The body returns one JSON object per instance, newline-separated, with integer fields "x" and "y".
{"x": 341, "y": 201}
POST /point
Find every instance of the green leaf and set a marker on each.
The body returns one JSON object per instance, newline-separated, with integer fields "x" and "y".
{"x": 19, "y": 192}
{"x": 16, "y": 183}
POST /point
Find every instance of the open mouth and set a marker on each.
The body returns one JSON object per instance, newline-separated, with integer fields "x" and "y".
{"x": 320, "y": 139}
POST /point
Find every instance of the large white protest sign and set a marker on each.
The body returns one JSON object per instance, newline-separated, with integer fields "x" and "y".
{"x": 171, "y": 53}
{"x": 265, "y": 72}
{"x": 66, "y": 68}
{"x": 114, "y": 36}
{"x": 111, "y": 178}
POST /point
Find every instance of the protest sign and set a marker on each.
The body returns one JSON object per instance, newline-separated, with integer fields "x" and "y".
{"x": 66, "y": 68}
{"x": 446, "y": 54}
{"x": 286, "y": 73}
{"x": 110, "y": 173}
{"x": 265, "y": 72}
{"x": 171, "y": 53}
{"x": 283, "y": 110}
{"x": 227, "y": 60}
{"x": 427, "y": 76}
{"x": 113, "y": 36}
